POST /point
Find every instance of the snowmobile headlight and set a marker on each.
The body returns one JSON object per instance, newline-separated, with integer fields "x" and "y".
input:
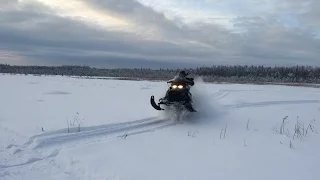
{"x": 180, "y": 86}
{"x": 174, "y": 86}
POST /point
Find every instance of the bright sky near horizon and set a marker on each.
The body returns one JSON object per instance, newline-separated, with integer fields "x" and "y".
{"x": 159, "y": 33}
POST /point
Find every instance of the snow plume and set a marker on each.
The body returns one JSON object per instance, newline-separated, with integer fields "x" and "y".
{"x": 207, "y": 109}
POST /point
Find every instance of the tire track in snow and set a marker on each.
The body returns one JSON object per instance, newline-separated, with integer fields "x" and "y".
{"x": 51, "y": 143}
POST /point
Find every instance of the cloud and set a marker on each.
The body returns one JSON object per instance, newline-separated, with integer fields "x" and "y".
{"x": 144, "y": 33}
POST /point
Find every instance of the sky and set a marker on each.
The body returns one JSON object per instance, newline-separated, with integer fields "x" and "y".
{"x": 160, "y": 33}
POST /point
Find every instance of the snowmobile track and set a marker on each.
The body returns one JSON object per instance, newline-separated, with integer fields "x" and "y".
{"x": 87, "y": 130}
{"x": 220, "y": 94}
{"x": 87, "y": 135}
{"x": 48, "y": 145}
{"x": 271, "y": 103}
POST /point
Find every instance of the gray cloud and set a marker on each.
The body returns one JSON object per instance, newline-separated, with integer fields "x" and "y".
{"x": 37, "y": 34}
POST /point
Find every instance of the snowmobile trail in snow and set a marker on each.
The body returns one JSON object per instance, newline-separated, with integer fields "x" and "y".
{"x": 222, "y": 95}
{"x": 271, "y": 103}
{"x": 48, "y": 145}
{"x": 87, "y": 130}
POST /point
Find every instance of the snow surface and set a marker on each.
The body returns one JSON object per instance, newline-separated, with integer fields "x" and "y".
{"x": 114, "y": 133}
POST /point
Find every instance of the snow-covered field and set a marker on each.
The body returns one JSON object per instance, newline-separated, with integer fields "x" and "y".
{"x": 114, "y": 133}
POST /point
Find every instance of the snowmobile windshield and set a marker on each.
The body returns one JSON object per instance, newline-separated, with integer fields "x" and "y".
{"x": 176, "y": 80}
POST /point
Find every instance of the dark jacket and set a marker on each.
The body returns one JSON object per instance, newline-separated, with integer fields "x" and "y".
{"x": 189, "y": 81}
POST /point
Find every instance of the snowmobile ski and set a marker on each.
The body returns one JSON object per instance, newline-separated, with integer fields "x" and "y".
{"x": 154, "y": 105}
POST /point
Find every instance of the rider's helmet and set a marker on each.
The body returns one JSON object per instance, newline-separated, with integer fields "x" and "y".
{"x": 182, "y": 74}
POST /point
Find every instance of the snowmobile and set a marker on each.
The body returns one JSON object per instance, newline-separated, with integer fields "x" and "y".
{"x": 178, "y": 97}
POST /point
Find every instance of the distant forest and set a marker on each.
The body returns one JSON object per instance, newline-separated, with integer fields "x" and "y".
{"x": 228, "y": 74}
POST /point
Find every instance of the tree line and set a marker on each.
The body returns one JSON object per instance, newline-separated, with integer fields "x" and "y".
{"x": 219, "y": 73}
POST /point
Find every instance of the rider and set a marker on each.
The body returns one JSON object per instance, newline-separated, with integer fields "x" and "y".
{"x": 182, "y": 76}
